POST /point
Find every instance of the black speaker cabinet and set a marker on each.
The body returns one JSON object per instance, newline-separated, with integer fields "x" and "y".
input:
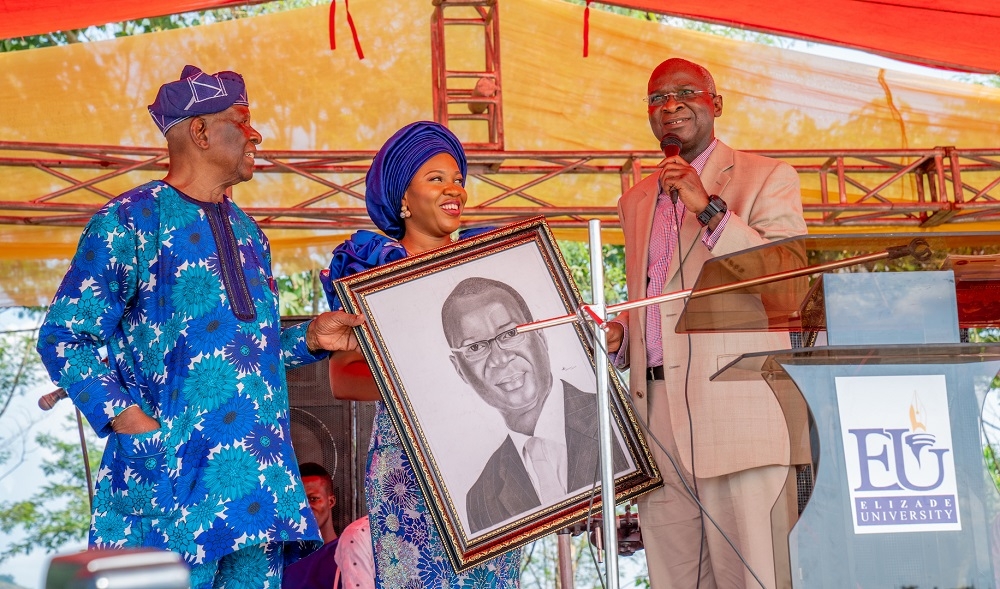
{"x": 332, "y": 433}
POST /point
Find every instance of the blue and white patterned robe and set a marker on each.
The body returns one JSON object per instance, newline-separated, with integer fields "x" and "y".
{"x": 181, "y": 294}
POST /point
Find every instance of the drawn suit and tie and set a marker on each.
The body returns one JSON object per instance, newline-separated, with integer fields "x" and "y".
{"x": 551, "y": 449}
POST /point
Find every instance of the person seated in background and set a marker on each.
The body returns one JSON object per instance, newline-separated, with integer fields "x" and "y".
{"x": 346, "y": 562}
{"x": 319, "y": 492}
{"x": 319, "y": 569}
{"x": 355, "y": 559}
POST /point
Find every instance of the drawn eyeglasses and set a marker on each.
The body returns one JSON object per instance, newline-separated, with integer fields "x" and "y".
{"x": 478, "y": 350}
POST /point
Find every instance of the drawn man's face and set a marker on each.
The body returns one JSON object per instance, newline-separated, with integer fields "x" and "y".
{"x": 510, "y": 373}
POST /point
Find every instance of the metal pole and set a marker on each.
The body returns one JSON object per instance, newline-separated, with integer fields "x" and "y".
{"x": 565, "y": 551}
{"x": 86, "y": 460}
{"x": 610, "y": 520}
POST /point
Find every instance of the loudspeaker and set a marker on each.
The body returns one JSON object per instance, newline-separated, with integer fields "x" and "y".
{"x": 332, "y": 433}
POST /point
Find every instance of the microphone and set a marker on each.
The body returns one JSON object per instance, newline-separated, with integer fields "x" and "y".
{"x": 671, "y": 146}
{"x": 46, "y": 402}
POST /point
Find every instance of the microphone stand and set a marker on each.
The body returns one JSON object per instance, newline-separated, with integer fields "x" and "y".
{"x": 47, "y": 402}
{"x": 86, "y": 460}
{"x": 917, "y": 248}
{"x": 599, "y": 315}
{"x": 598, "y": 312}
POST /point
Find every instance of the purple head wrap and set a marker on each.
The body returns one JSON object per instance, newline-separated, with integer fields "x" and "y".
{"x": 196, "y": 93}
{"x": 396, "y": 163}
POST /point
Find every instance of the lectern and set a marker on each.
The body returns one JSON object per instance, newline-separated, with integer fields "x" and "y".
{"x": 897, "y": 441}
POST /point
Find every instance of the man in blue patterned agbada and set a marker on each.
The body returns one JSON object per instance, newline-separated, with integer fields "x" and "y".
{"x": 173, "y": 282}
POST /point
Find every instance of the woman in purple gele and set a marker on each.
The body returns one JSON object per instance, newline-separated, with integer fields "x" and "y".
{"x": 415, "y": 194}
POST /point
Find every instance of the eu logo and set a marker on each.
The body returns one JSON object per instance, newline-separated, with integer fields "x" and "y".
{"x": 884, "y": 450}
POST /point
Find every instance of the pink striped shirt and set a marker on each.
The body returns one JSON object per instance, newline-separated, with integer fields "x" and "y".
{"x": 662, "y": 247}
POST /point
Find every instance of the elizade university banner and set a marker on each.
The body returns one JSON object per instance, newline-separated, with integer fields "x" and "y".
{"x": 898, "y": 451}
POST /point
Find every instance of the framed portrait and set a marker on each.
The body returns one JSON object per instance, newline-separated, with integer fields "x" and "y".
{"x": 501, "y": 426}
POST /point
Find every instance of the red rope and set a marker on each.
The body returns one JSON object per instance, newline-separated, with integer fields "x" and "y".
{"x": 354, "y": 31}
{"x": 333, "y": 29}
{"x": 350, "y": 23}
{"x": 586, "y": 29}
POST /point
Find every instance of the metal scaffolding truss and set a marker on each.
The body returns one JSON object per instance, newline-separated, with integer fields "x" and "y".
{"x": 469, "y": 95}
{"x": 912, "y": 188}
{"x": 890, "y": 188}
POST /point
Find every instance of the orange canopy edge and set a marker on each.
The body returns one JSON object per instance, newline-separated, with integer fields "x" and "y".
{"x": 928, "y": 32}
{"x": 936, "y": 33}
{"x": 23, "y": 18}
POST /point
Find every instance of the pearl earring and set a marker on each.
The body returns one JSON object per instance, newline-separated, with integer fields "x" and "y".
{"x": 404, "y": 211}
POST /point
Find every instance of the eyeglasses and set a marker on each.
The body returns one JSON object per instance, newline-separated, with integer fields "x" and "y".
{"x": 479, "y": 350}
{"x": 679, "y": 96}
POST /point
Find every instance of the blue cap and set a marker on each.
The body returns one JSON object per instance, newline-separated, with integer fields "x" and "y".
{"x": 196, "y": 93}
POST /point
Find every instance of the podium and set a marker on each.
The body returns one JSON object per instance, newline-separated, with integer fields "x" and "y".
{"x": 893, "y": 422}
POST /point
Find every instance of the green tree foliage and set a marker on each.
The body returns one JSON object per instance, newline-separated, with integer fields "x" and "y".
{"x": 59, "y": 511}
{"x": 18, "y": 361}
{"x": 151, "y": 25}
{"x": 640, "y": 14}
{"x": 992, "y": 80}
{"x": 301, "y": 294}
{"x": 987, "y": 335}
{"x": 7, "y": 582}
{"x": 990, "y": 450}
{"x": 540, "y": 565}
{"x": 989, "y": 456}
{"x": 20, "y": 369}
{"x": 694, "y": 25}
{"x": 577, "y": 256}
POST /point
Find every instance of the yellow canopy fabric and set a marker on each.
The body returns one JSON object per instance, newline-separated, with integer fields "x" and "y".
{"x": 306, "y": 97}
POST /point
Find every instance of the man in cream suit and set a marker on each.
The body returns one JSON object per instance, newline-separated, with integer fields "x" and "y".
{"x": 729, "y": 438}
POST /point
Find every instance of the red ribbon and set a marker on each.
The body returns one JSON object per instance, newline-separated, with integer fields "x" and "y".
{"x": 333, "y": 29}
{"x": 354, "y": 31}
{"x": 350, "y": 23}
{"x": 586, "y": 29}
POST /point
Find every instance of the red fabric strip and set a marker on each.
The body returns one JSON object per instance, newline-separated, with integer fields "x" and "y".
{"x": 586, "y": 29}
{"x": 354, "y": 31}
{"x": 333, "y": 29}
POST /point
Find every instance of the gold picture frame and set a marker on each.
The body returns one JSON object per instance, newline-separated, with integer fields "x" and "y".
{"x": 451, "y": 404}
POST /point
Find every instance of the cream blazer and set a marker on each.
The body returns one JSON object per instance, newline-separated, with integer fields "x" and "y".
{"x": 736, "y": 425}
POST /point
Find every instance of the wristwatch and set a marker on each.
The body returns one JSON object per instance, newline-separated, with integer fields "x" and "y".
{"x": 715, "y": 206}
